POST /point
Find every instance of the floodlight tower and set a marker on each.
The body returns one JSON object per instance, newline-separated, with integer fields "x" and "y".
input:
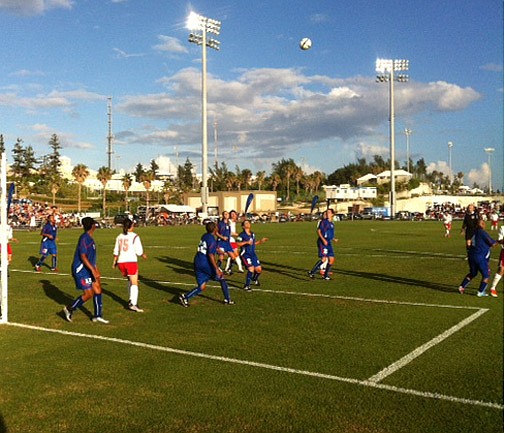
{"x": 110, "y": 136}
{"x": 200, "y": 26}
{"x": 489, "y": 151}
{"x": 386, "y": 69}
{"x": 408, "y": 132}
{"x": 450, "y": 145}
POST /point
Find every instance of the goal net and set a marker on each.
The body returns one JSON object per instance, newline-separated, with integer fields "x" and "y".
{"x": 3, "y": 241}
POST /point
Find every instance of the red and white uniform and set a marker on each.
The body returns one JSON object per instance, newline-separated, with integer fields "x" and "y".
{"x": 233, "y": 229}
{"x": 127, "y": 248}
{"x": 448, "y": 221}
{"x": 500, "y": 239}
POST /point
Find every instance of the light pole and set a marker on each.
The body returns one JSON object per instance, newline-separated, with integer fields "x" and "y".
{"x": 450, "y": 145}
{"x": 489, "y": 151}
{"x": 407, "y": 134}
{"x": 200, "y": 26}
{"x": 386, "y": 69}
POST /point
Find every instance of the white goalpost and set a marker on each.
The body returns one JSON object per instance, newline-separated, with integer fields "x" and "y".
{"x": 4, "y": 284}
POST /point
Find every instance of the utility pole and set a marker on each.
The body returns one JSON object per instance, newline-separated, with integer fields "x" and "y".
{"x": 110, "y": 137}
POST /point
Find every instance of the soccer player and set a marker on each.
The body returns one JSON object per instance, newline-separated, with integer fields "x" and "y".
{"x": 326, "y": 235}
{"x": 223, "y": 239}
{"x": 48, "y": 243}
{"x": 478, "y": 258}
{"x": 247, "y": 242}
{"x": 447, "y": 219}
{"x": 206, "y": 267}
{"x": 86, "y": 273}
{"x": 470, "y": 224}
{"x": 233, "y": 243}
{"x": 126, "y": 249}
{"x": 494, "y": 217}
{"x": 499, "y": 272}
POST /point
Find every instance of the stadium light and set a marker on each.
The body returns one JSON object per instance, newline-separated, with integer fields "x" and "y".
{"x": 489, "y": 151}
{"x": 408, "y": 132}
{"x": 386, "y": 73}
{"x": 450, "y": 145}
{"x": 200, "y": 26}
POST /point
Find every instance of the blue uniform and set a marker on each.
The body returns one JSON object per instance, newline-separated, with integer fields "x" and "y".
{"x": 224, "y": 229}
{"x": 82, "y": 275}
{"x": 479, "y": 253}
{"x": 327, "y": 230}
{"x": 248, "y": 251}
{"x": 47, "y": 245}
{"x": 204, "y": 269}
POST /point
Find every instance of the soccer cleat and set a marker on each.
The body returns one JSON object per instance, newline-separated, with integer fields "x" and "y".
{"x": 99, "y": 319}
{"x": 241, "y": 270}
{"x": 494, "y": 293}
{"x": 37, "y": 268}
{"x": 327, "y": 278}
{"x": 481, "y": 294}
{"x": 135, "y": 308}
{"x": 55, "y": 269}
{"x": 311, "y": 275}
{"x": 228, "y": 271}
{"x": 461, "y": 289}
{"x": 229, "y": 302}
{"x": 257, "y": 283}
{"x": 68, "y": 314}
{"x": 247, "y": 288}
{"x": 183, "y": 301}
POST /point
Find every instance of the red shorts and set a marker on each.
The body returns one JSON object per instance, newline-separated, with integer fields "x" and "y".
{"x": 9, "y": 248}
{"x": 129, "y": 268}
{"x": 234, "y": 245}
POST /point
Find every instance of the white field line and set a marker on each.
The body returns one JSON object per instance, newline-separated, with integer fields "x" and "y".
{"x": 407, "y": 359}
{"x": 365, "y": 383}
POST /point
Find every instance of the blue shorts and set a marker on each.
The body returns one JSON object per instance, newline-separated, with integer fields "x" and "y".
{"x": 83, "y": 280}
{"x": 47, "y": 248}
{"x": 251, "y": 260}
{"x": 224, "y": 246}
{"x": 325, "y": 250}
{"x": 204, "y": 274}
{"x": 479, "y": 264}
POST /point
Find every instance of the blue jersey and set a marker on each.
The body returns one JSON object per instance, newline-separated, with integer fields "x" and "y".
{"x": 247, "y": 249}
{"x": 86, "y": 246}
{"x": 224, "y": 229}
{"x": 50, "y": 230}
{"x": 481, "y": 245}
{"x": 206, "y": 248}
{"x": 327, "y": 230}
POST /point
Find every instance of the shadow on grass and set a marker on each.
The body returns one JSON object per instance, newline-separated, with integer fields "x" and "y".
{"x": 179, "y": 266}
{"x": 3, "y": 426}
{"x": 60, "y": 298}
{"x": 288, "y": 271}
{"x": 115, "y": 298}
{"x": 397, "y": 280}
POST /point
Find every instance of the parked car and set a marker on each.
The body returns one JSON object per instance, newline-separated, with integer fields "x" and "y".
{"x": 119, "y": 218}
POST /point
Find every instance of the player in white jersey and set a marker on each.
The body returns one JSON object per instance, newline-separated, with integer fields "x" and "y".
{"x": 233, "y": 241}
{"x": 499, "y": 272}
{"x": 447, "y": 219}
{"x": 126, "y": 249}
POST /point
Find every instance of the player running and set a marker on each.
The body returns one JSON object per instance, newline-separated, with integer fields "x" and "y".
{"x": 499, "y": 272}
{"x": 478, "y": 258}
{"x": 126, "y": 249}
{"x": 223, "y": 239}
{"x": 447, "y": 220}
{"x": 206, "y": 267}
{"x": 247, "y": 243}
{"x": 326, "y": 235}
{"x": 86, "y": 274}
{"x": 48, "y": 245}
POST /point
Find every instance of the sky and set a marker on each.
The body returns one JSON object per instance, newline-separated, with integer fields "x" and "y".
{"x": 267, "y": 99}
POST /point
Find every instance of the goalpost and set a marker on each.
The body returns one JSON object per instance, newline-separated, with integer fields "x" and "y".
{"x": 3, "y": 241}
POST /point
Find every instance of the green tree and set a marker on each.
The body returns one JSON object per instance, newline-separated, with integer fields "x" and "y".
{"x": 104, "y": 175}
{"x": 139, "y": 171}
{"x": 127, "y": 181}
{"x": 80, "y": 173}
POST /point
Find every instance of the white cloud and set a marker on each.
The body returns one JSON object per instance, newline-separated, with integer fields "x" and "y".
{"x": 479, "y": 176}
{"x": 120, "y": 54}
{"x": 170, "y": 44}
{"x": 34, "y": 7}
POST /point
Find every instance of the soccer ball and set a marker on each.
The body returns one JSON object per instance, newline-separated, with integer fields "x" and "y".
{"x": 305, "y": 44}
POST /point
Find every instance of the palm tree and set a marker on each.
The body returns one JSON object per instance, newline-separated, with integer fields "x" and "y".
{"x": 80, "y": 173}
{"x": 260, "y": 178}
{"x": 127, "y": 181}
{"x": 147, "y": 180}
{"x": 104, "y": 175}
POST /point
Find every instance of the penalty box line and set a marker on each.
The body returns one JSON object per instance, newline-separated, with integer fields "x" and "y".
{"x": 366, "y": 383}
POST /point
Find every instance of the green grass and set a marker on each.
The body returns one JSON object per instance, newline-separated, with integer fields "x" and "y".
{"x": 292, "y": 356}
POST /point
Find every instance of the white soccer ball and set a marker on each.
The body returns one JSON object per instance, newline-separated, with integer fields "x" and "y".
{"x": 305, "y": 44}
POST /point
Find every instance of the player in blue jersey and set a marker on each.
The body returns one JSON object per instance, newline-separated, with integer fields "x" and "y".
{"x": 86, "y": 274}
{"x": 48, "y": 245}
{"x": 206, "y": 267}
{"x": 479, "y": 252}
{"x": 247, "y": 243}
{"x": 223, "y": 239}
{"x": 326, "y": 235}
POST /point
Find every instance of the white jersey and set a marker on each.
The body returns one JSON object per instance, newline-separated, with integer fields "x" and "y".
{"x": 233, "y": 229}
{"x": 447, "y": 218}
{"x": 128, "y": 247}
{"x": 501, "y": 235}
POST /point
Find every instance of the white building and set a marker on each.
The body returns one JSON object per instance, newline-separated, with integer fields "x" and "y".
{"x": 346, "y": 192}
{"x": 400, "y": 176}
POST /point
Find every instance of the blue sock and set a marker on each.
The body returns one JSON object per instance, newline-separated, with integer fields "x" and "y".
{"x": 54, "y": 262}
{"x": 316, "y": 266}
{"x": 41, "y": 260}
{"x": 194, "y": 292}
{"x": 327, "y": 271}
{"x": 78, "y": 303}
{"x": 465, "y": 282}
{"x": 97, "y": 302}
{"x": 224, "y": 288}
{"x": 248, "y": 278}
{"x": 482, "y": 287}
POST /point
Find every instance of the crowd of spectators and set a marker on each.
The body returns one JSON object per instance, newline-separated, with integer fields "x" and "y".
{"x": 30, "y": 215}
{"x": 485, "y": 209}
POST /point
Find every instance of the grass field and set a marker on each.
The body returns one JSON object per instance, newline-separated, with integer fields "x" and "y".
{"x": 388, "y": 345}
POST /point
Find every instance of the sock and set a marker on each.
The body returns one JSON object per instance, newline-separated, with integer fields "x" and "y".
{"x": 134, "y": 294}
{"x": 97, "y": 302}
{"x": 323, "y": 265}
{"x": 41, "y": 260}
{"x": 54, "y": 262}
{"x": 465, "y": 281}
{"x": 316, "y": 267}
{"x": 496, "y": 280}
{"x": 192, "y": 293}
{"x": 482, "y": 287}
{"x": 224, "y": 288}
{"x": 78, "y": 303}
{"x": 228, "y": 264}
{"x": 239, "y": 264}
{"x": 248, "y": 278}
{"x": 219, "y": 262}
{"x": 327, "y": 271}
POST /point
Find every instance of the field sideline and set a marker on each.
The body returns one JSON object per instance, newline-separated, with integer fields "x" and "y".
{"x": 389, "y": 344}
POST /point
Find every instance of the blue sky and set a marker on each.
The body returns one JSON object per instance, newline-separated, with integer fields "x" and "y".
{"x": 62, "y": 59}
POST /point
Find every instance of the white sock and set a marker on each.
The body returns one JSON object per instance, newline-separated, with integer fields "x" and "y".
{"x": 134, "y": 294}
{"x": 228, "y": 264}
{"x": 239, "y": 263}
{"x": 496, "y": 280}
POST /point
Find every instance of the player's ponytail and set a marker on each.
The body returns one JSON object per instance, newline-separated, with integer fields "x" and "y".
{"x": 127, "y": 223}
